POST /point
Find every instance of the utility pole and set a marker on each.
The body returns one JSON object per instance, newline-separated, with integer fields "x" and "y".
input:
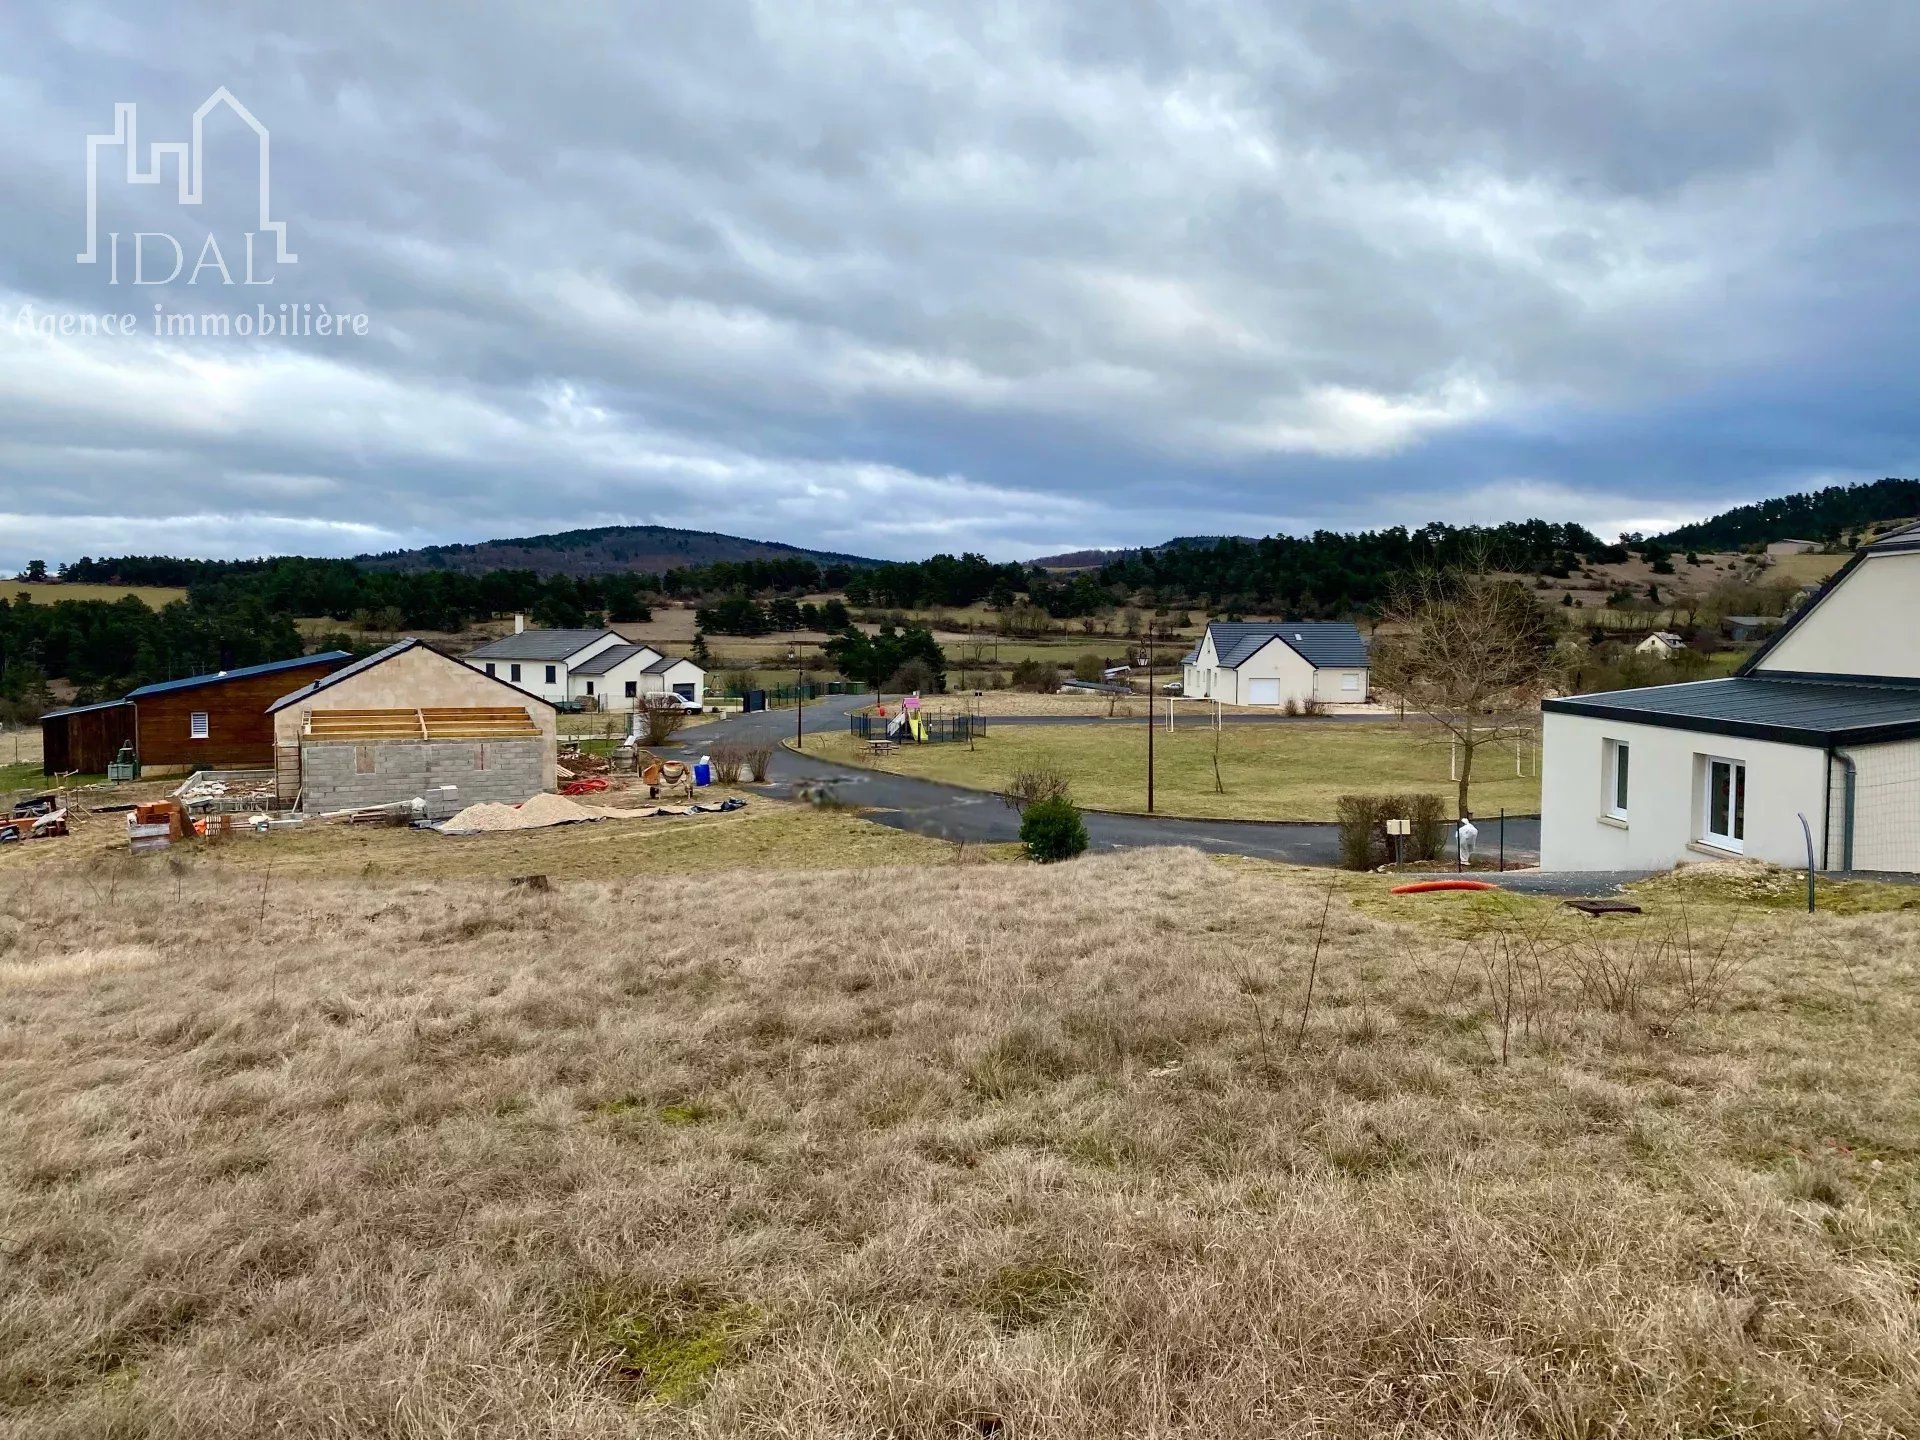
{"x": 1149, "y": 715}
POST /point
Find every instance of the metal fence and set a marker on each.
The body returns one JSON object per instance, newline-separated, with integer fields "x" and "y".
{"x": 771, "y": 697}
{"x": 931, "y": 728}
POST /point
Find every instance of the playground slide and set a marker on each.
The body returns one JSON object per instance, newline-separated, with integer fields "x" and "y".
{"x": 896, "y": 725}
{"x": 918, "y": 727}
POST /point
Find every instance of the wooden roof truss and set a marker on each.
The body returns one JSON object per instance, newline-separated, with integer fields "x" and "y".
{"x": 474, "y": 722}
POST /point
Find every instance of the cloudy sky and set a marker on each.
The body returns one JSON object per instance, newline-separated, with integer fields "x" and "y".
{"x": 900, "y": 278}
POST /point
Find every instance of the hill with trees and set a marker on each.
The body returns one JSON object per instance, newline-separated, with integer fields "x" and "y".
{"x": 1832, "y": 514}
{"x": 606, "y": 549}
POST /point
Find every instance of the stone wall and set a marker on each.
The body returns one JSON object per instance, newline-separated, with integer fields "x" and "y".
{"x": 335, "y": 776}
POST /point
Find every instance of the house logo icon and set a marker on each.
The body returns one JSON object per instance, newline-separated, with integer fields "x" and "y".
{"x": 188, "y": 162}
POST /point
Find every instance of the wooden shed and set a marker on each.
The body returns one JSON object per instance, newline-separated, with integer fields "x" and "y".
{"x": 82, "y": 739}
{"x": 221, "y": 719}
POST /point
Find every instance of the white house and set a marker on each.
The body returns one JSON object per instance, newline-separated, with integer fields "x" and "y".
{"x": 541, "y": 662}
{"x": 1662, "y": 644}
{"x": 613, "y": 678}
{"x": 1270, "y": 664}
{"x": 595, "y": 667}
{"x": 671, "y": 676}
{"x": 1822, "y": 723}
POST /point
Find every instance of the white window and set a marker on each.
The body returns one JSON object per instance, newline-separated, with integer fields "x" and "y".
{"x": 1619, "y": 753}
{"x": 1723, "y": 803}
{"x": 197, "y": 725}
{"x": 551, "y": 676}
{"x": 1350, "y": 682}
{"x": 632, "y": 689}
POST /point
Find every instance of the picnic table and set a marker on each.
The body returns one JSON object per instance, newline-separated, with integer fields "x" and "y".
{"x": 881, "y": 747}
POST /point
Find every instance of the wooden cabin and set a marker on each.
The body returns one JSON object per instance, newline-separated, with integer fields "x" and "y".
{"x": 220, "y": 721}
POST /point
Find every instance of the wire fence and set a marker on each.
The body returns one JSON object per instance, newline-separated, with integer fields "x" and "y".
{"x": 1877, "y": 825}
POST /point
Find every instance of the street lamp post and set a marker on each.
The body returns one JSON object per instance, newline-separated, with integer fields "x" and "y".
{"x": 799, "y": 697}
{"x": 1149, "y": 716}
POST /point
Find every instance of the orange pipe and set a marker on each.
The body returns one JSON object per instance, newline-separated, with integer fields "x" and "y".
{"x": 1421, "y": 887}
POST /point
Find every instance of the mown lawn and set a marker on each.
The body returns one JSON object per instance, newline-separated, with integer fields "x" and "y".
{"x": 1282, "y": 771}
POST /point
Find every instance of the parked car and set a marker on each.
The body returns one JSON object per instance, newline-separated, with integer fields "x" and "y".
{"x": 1173, "y": 687}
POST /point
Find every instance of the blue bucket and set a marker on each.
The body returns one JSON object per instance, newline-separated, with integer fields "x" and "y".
{"x": 703, "y": 773}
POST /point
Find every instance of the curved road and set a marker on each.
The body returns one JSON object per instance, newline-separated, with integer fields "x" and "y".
{"x": 951, "y": 812}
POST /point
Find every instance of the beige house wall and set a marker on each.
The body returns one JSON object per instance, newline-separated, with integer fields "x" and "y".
{"x": 421, "y": 679}
{"x": 1864, "y": 626}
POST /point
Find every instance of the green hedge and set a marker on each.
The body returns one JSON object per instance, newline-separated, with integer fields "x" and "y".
{"x": 1364, "y": 842}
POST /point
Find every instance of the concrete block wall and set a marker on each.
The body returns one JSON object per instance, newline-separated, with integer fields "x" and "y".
{"x": 402, "y": 769}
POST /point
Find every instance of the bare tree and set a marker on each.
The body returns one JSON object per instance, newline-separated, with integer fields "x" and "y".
{"x": 660, "y": 718}
{"x": 1470, "y": 650}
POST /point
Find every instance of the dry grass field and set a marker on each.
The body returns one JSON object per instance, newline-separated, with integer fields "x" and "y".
{"x": 1294, "y": 770}
{"x": 1132, "y": 1146}
{"x": 770, "y": 834}
{"x": 52, "y": 592}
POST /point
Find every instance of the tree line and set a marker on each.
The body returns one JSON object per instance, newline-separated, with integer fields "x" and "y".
{"x": 107, "y": 647}
{"x": 1833, "y": 514}
{"x": 1331, "y": 575}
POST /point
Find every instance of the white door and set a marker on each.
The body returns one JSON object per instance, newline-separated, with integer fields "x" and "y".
{"x": 1263, "y": 692}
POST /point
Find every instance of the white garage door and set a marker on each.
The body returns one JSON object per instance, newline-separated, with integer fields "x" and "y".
{"x": 1263, "y": 692}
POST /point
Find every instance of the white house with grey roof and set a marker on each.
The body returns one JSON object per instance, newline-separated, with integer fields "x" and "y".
{"x": 1821, "y": 724}
{"x": 1274, "y": 663}
{"x": 597, "y": 668}
{"x": 542, "y": 662}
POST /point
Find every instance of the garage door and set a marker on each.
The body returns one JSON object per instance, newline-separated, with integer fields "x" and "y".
{"x": 1263, "y": 692}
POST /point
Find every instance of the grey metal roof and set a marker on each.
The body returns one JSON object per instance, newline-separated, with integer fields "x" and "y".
{"x": 218, "y": 677}
{"x": 667, "y": 662}
{"x": 1764, "y": 707}
{"x": 539, "y": 645}
{"x": 84, "y": 709}
{"x": 611, "y": 656}
{"x": 1321, "y": 643}
{"x": 1907, "y": 537}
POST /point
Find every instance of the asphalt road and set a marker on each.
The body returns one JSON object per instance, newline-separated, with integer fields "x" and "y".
{"x": 950, "y": 812}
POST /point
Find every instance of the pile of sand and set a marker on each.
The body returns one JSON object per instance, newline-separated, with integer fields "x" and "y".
{"x": 535, "y": 814}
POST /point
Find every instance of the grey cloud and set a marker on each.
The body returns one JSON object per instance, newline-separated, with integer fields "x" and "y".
{"x": 1068, "y": 274}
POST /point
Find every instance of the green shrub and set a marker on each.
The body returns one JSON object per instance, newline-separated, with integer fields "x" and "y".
{"x": 1051, "y": 830}
{"x": 1361, "y": 819}
{"x": 1431, "y": 827}
{"x": 1364, "y": 842}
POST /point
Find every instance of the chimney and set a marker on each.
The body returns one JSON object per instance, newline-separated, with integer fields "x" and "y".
{"x": 519, "y": 624}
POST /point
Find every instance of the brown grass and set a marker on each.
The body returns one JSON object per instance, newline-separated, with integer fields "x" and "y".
{"x": 768, "y": 834}
{"x": 964, "y": 1151}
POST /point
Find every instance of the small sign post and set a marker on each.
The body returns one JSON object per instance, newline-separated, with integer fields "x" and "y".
{"x": 1396, "y": 829}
